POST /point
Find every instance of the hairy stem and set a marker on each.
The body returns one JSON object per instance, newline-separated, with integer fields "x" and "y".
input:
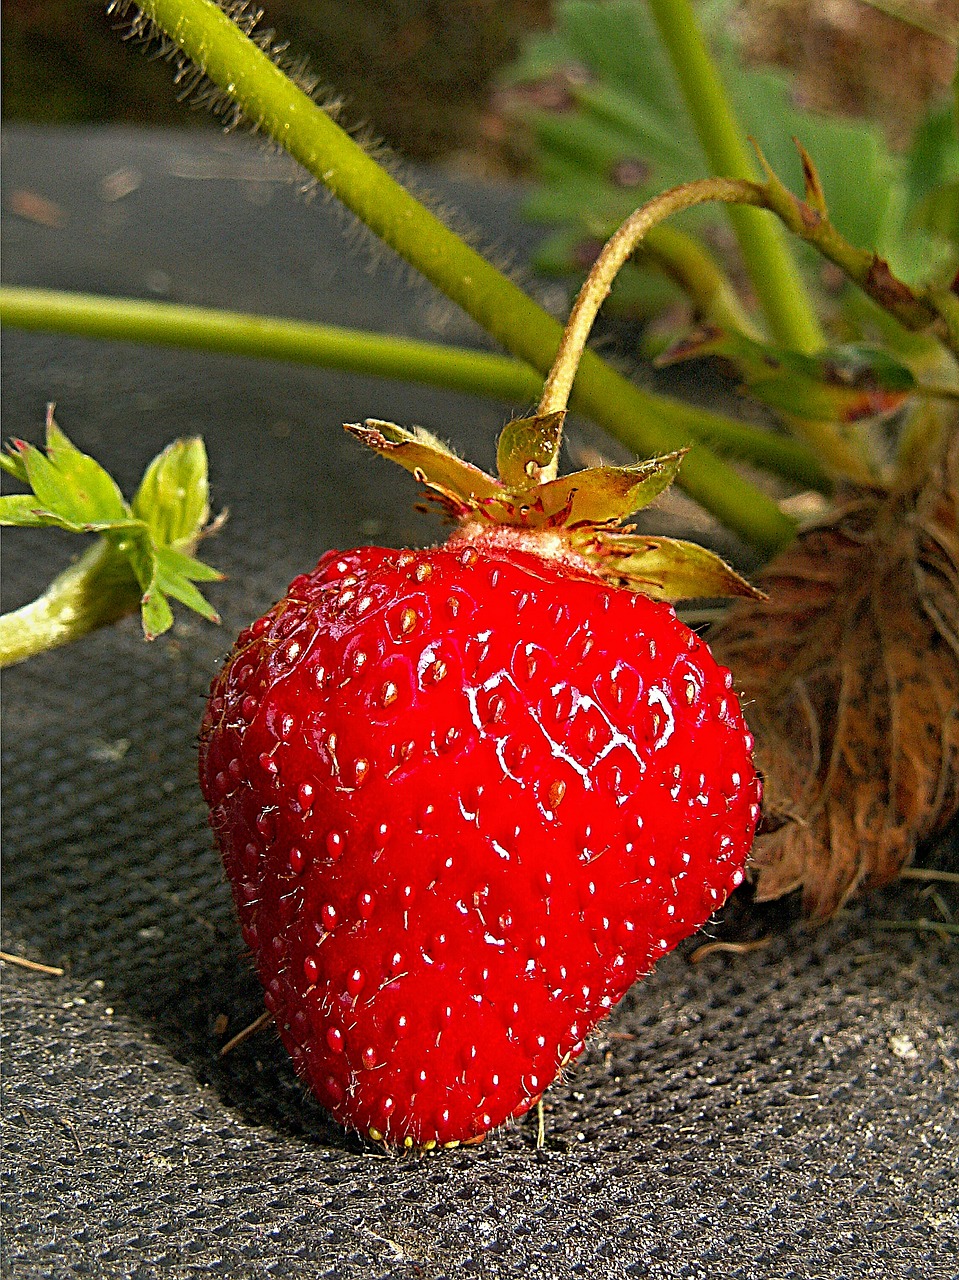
{"x": 616, "y": 252}
{"x": 772, "y": 270}
{"x": 327, "y": 346}
{"x": 95, "y": 591}
{"x": 839, "y": 454}
{"x": 285, "y": 113}
{"x": 932, "y": 311}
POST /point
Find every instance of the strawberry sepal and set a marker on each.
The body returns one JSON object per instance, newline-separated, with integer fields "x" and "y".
{"x": 579, "y": 515}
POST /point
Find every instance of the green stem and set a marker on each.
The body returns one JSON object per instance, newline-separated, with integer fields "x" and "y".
{"x": 98, "y": 589}
{"x": 687, "y": 262}
{"x": 285, "y": 113}
{"x": 947, "y": 305}
{"x": 470, "y": 372}
{"x": 774, "y": 274}
{"x": 932, "y": 310}
{"x": 935, "y": 391}
{"x": 244, "y": 334}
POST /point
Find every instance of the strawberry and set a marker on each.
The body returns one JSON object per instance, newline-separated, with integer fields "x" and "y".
{"x": 465, "y": 796}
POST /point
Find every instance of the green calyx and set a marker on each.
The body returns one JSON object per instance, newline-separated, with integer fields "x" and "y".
{"x": 586, "y": 510}
{"x": 143, "y": 555}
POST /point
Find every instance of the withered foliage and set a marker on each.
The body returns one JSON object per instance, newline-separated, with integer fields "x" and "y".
{"x": 850, "y": 681}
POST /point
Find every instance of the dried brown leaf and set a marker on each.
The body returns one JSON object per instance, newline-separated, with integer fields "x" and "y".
{"x": 850, "y": 681}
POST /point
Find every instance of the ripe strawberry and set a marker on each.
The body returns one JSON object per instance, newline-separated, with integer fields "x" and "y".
{"x": 466, "y": 795}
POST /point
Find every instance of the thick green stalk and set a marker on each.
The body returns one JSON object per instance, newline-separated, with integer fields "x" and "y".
{"x": 774, "y": 274}
{"x": 691, "y": 266}
{"x": 244, "y": 334}
{"x": 285, "y": 113}
{"x": 471, "y": 372}
{"x": 95, "y": 591}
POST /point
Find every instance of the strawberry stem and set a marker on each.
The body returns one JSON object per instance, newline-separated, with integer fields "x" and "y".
{"x": 327, "y": 346}
{"x": 245, "y": 334}
{"x": 931, "y": 310}
{"x": 617, "y": 251}
{"x": 95, "y": 591}
{"x": 772, "y": 270}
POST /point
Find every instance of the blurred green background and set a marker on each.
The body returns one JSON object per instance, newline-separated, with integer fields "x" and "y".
{"x": 421, "y": 74}
{"x": 418, "y": 73}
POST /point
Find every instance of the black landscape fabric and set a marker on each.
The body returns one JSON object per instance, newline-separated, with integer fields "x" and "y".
{"x": 791, "y": 1112}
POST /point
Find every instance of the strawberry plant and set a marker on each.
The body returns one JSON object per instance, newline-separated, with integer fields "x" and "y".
{"x": 142, "y": 557}
{"x": 465, "y": 796}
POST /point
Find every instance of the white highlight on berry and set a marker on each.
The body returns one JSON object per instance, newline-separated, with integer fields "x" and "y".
{"x": 656, "y": 697}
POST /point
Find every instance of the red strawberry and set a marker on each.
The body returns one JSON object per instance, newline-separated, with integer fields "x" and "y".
{"x": 465, "y": 796}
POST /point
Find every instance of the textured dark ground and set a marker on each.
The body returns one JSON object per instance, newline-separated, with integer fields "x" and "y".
{"x": 789, "y": 1113}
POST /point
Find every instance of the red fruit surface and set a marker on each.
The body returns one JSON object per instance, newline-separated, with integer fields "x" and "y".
{"x": 465, "y": 797}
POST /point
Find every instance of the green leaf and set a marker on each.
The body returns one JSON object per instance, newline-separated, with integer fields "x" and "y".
{"x": 172, "y": 581}
{"x": 858, "y": 172}
{"x": 938, "y": 213}
{"x": 526, "y": 447}
{"x": 670, "y": 569}
{"x": 933, "y": 157}
{"x": 78, "y": 489}
{"x": 76, "y": 492}
{"x": 927, "y": 243}
{"x": 620, "y": 111}
{"x": 63, "y": 504}
{"x": 52, "y": 491}
{"x": 645, "y": 131}
{"x": 155, "y": 613}
{"x": 621, "y": 136}
{"x": 173, "y": 497}
{"x": 12, "y": 462}
{"x": 163, "y": 572}
{"x": 187, "y": 567}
